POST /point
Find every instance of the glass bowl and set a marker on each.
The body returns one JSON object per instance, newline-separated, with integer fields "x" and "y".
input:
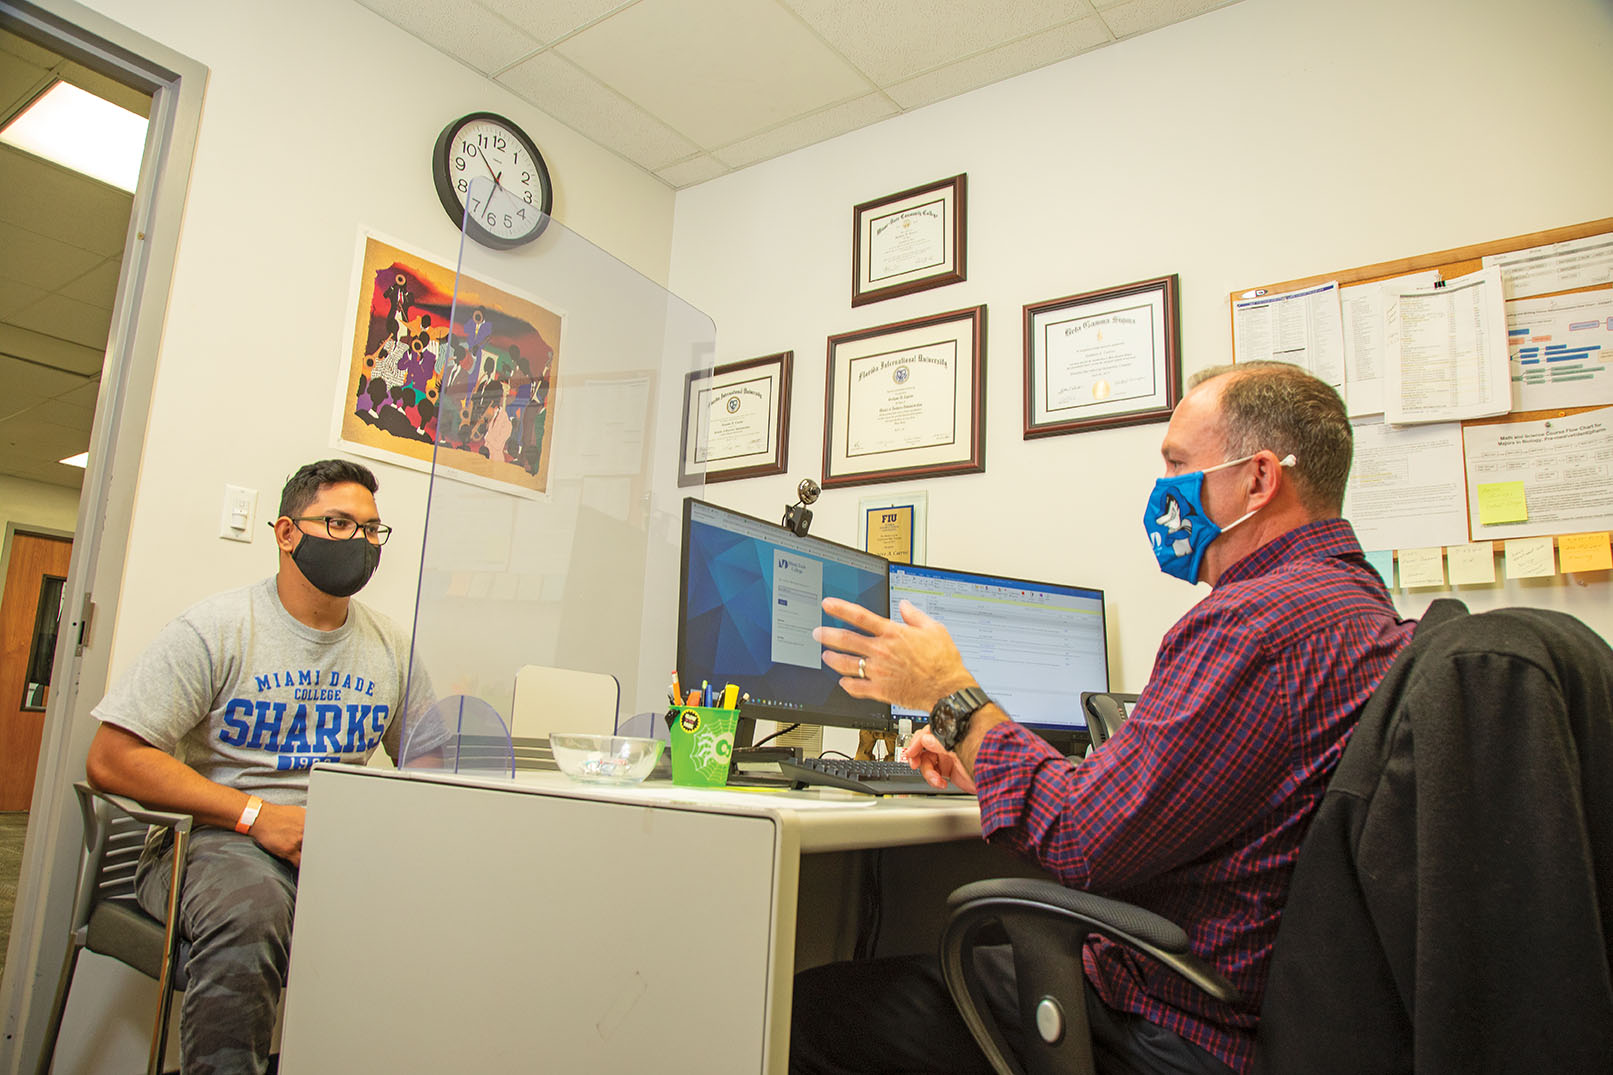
{"x": 605, "y": 759}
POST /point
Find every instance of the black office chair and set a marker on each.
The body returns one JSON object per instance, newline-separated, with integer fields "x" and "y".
{"x": 108, "y": 920}
{"x": 1451, "y": 909}
{"x": 1106, "y": 711}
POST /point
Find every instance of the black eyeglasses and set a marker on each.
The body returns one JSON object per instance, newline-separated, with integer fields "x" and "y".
{"x": 343, "y": 529}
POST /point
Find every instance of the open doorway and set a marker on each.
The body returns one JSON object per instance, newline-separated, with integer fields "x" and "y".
{"x": 62, "y": 237}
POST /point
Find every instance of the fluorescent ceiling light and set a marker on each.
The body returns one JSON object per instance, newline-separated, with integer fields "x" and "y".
{"x": 81, "y": 460}
{"x": 79, "y": 130}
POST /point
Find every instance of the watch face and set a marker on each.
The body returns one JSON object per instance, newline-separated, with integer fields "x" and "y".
{"x": 489, "y": 175}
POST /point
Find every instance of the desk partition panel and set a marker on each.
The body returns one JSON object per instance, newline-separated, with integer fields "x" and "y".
{"x": 555, "y": 508}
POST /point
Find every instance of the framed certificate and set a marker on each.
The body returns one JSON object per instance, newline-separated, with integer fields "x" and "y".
{"x": 908, "y": 242}
{"x": 1103, "y": 359}
{"x": 906, "y": 400}
{"x": 894, "y": 526}
{"x": 736, "y": 420}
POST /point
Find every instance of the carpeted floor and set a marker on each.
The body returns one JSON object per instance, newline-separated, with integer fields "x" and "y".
{"x": 13, "y": 826}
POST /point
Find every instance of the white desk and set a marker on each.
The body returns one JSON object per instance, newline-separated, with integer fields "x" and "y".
{"x": 458, "y": 924}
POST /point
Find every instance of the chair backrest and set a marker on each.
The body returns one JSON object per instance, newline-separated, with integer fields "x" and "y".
{"x": 1106, "y": 711}
{"x": 549, "y": 700}
{"x": 1456, "y": 882}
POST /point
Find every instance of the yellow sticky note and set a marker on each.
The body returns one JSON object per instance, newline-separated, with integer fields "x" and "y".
{"x": 1471, "y": 565}
{"x": 1502, "y": 502}
{"x": 1530, "y": 558}
{"x": 1585, "y": 552}
{"x": 1421, "y": 567}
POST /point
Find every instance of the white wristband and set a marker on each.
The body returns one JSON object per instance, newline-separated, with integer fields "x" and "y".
{"x": 249, "y": 815}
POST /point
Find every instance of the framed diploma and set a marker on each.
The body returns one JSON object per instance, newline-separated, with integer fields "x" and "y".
{"x": 736, "y": 420}
{"x": 1104, "y": 359}
{"x": 906, "y": 400}
{"x": 908, "y": 242}
{"x": 894, "y": 526}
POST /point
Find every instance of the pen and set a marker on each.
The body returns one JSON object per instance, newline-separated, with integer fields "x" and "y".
{"x": 705, "y": 693}
{"x": 694, "y": 698}
{"x": 730, "y": 696}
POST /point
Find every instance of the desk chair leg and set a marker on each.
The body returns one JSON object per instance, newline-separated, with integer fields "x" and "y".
{"x": 165, "y": 978}
{"x": 58, "y": 1008}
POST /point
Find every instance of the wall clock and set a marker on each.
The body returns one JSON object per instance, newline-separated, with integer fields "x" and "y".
{"x": 511, "y": 204}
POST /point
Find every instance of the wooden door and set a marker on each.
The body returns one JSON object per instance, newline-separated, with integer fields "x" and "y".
{"x": 29, "y": 614}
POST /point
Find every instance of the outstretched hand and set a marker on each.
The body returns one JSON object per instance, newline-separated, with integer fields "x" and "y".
{"x": 910, "y": 662}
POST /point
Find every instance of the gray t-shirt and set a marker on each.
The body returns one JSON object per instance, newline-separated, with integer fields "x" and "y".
{"x": 249, "y": 697}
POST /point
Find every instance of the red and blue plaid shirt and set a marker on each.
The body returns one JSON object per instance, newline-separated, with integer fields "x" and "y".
{"x": 1196, "y": 808}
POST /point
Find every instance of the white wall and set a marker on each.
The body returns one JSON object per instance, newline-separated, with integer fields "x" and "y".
{"x": 1265, "y": 141}
{"x": 319, "y": 121}
{"x": 31, "y": 503}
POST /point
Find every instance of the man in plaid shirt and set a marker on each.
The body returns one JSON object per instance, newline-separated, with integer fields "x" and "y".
{"x": 1196, "y": 808}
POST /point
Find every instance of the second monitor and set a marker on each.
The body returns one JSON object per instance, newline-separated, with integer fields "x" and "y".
{"x": 1033, "y": 646}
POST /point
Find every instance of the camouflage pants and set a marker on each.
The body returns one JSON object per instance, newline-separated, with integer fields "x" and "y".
{"x": 236, "y": 912}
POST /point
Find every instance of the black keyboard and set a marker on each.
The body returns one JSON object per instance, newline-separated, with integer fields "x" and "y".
{"x": 870, "y": 777}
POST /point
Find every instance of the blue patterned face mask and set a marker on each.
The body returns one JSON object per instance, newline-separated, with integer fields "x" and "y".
{"x": 1177, "y": 527}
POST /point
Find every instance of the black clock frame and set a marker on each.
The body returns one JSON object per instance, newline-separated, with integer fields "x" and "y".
{"x": 446, "y": 194}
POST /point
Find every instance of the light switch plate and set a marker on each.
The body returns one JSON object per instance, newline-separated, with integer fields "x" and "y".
{"x": 240, "y": 508}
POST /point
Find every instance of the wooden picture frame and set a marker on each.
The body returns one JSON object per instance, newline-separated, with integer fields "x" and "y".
{"x": 1103, "y": 359}
{"x": 909, "y": 241}
{"x": 906, "y": 400}
{"x": 736, "y": 420}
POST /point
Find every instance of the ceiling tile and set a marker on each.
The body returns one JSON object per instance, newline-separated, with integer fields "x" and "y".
{"x": 891, "y": 42}
{"x": 695, "y": 170}
{"x": 68, "y": 319}
{"x": 85, "y": 396}
{"x": 715, "y": 70}
{"x": 99, "y": 286}
{"x": 551, "y": 83}
{"x": 29, "y": 257}
{"x": 35, "y": 436}
{"x": 14, "y": 49}
{"x": 48, "y": 352}
{"x": 552, "y": 19}
{"x": 15, "y": 295}
{"x": 983, "y": 69}
{"x": 1140, "y": 16}
{"x": 462, "y": 29}
{"x": 40, "y": 382}
{"x": 19, "y": 83}
{"x": 75, "y": 420}
{"x": 74, "y": 208}
{"x": 808, "y": 130}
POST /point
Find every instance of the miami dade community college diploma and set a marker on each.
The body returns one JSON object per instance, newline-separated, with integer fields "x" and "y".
{"x": 906, "y": 241}
{"x": 902, "y": 400}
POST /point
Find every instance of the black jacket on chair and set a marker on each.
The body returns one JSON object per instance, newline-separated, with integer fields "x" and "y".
{"x": 1452, "y": 909}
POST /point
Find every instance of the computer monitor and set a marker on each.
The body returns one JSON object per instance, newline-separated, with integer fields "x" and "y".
{"x": 1034, "y": 646}
{"x": 750, "y": 594}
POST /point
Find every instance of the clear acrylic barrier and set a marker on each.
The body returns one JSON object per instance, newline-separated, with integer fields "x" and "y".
{"x": 552, "y": 397}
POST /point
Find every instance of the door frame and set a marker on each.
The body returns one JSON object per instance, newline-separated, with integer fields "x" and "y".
{"x": 106, "y": 506}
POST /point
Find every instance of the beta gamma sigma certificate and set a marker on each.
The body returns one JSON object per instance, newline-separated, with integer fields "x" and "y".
{"x": 1103, "y": 358}
{"x": 902, "y": 400}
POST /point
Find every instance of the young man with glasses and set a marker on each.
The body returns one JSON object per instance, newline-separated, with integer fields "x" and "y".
{"x": 222, "y": 717}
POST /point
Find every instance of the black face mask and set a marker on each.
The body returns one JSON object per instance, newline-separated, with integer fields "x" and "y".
{"x": 338, "y": 568}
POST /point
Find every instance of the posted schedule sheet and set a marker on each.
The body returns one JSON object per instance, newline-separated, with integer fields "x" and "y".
{"x": 1304, "y": 327}
{"x": 1405, "y": 488}
{"x": 1453, "y": 353}
{"x": 1530, "y": 479}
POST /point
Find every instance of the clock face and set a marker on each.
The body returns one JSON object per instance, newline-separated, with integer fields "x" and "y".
{"x": 489, "y": 175}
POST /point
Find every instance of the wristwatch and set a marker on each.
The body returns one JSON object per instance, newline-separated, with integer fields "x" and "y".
{"x": 949, "y": 720}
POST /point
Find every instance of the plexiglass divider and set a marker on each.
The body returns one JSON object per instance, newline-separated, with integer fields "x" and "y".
{"x": 555, "y": 510}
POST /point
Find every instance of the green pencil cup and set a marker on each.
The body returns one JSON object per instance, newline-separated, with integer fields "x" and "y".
{"x": 702, "y": 745}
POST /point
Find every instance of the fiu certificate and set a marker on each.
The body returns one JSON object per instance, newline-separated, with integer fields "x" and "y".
{"x": 901, "y": 400}
{"x": 736, "y": 420}
{"x": 905, "y": 400}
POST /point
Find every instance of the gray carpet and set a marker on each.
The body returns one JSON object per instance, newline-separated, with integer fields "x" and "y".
{"x": 13, "y": 826}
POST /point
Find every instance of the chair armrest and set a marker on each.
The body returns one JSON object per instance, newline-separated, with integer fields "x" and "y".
{"x": 1047, "y": 925}
{"x": 125, "y": 805}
